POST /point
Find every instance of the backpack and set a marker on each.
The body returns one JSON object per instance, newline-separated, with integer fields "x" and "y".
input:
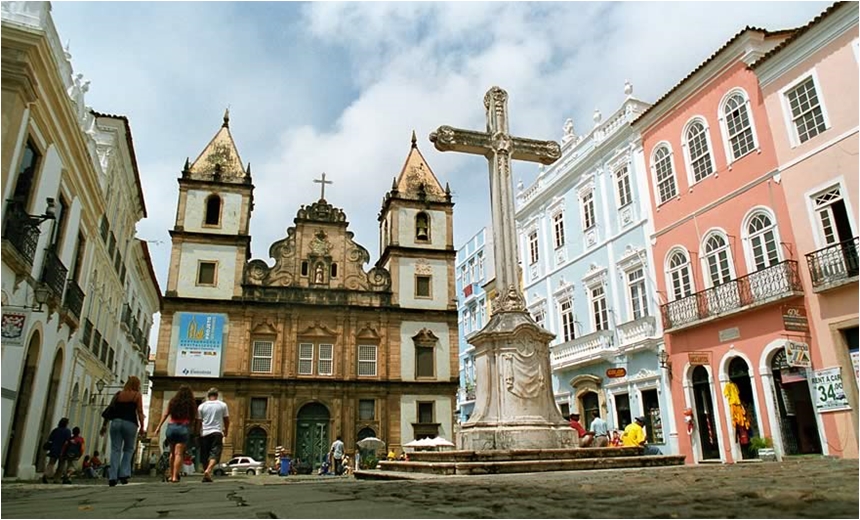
{"x": 73, "y": 449}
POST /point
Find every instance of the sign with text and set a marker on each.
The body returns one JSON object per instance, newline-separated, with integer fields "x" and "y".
{"x": 616, "y": 372}
{"x": 699, "y": 358}
{"x": 13, "y": 327}
{"x": 198, "y": 352}
{"x": 797, "y": 354}
{"x": 827, "y": 390}
{"x": 794, "y": 318}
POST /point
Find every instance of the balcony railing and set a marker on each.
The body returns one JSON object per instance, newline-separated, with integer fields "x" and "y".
{"x": 833, "y": 265}
{"x": 636, "y": 331}
{"x": 759, "y": 288}
{"x": 54, "y": 273}
{"x": 587, "y": 348}
{"x": 74, "y": 300}
{"x": 22, "y": 231}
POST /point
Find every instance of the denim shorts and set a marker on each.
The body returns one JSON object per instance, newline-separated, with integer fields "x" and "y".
{"x": 178, "y": 433}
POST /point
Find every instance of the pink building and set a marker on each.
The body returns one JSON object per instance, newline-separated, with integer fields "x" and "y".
{"x": 810, "y": 90}
{"x": 727, "y": 261}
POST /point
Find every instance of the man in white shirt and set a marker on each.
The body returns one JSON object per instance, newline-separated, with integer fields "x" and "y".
{"x": 600, "y": 429}
{"x": 215, "y": 423}
{"x": 337, "y": 450}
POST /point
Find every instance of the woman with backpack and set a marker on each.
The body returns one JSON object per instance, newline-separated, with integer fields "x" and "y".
{"x": 72, "y": 451}
{"x": 125, "y": 415}
{"x": 182, "y": 410}
{"x": 54, "y": 446}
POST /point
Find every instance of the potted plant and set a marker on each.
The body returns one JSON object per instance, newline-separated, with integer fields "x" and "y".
{"x": 763, "y": 448}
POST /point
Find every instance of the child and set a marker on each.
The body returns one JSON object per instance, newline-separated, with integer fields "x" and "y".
{"x": 72, "y": 451}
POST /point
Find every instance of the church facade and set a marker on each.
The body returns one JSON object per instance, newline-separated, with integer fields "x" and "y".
{"x": 315, "y": 345}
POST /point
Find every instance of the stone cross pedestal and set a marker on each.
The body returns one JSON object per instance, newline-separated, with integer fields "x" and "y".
{"x": 514, "y": 403}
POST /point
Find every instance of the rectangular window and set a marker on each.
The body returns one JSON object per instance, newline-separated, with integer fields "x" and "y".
{"x": 480, "y": 266}
{"x": 62, "y": 215}
{"x": 622, "y": 411}
{"x": 258, "y": 407}
{"x": 473, "y": 268}
{"x": 598, "y": 308}
{"x": 424, "y": 362}
{"x": 558, "y": 229}
{"x": 261, "y": 360}
{"x": 653, "y": 420}
{"x": 638, "y": 300}
{"x": 26, "y": 176}
{"x": 367, "y": 360}
{"x": 567, "y": 320}
{"x": 533, "y": 247}
{"x": 539, "y": 316}
{"x": 80, "y": 248}
{"x": 588, "y": 210}
{"x": 326, "y": 355}
{"x": 306, "y": 358}
{"x": 366, "y": 409}
{"x": 423, "y": 286}
{"x": 622, "y": 178}
{"x": 205, "y": 273}
{"x": 425, "y": 412}
{"x": 806, "y": 113}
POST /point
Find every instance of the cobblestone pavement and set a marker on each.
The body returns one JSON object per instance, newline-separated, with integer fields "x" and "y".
{"x": 814, "y": 488}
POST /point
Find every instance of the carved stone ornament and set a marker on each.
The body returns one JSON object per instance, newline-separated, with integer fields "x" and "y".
{"x": 321, "y": 211}
{"x": 508, "y": 301}
{"x": 422, "y": 266}
{"x": 320, "y": 245}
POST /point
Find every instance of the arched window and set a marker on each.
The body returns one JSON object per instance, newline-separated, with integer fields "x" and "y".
{"x": 680, "y": 275}
{"x": 718, "y": 259}
{"x": 739, "y": 129}
{"x": 213, "y": 210}
{"x": 422, "y": 227}
{"x": 698, "y": 151}
{"x": 764, "y": 250}
{"x": 665, "y": 175}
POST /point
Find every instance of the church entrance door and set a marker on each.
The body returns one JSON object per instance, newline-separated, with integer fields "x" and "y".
{"x": 312, "y": 433}
{"x": 255, "y": 444}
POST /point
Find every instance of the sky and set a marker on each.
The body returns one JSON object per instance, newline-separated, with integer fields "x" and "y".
{"x": 339, "y": 88}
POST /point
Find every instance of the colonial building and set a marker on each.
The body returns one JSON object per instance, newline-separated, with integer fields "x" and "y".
{"x": 589, "y": 275}
{"x": 727, "y": 256}
{"x": 810, "y": 90}
{"x": 474, "y": 268}
{"x": 315, "y": 345}
{"x": 68, "y": 174}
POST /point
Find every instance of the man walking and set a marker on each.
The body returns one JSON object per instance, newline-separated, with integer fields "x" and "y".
{"x": 54, "y": 446}
{"x": 215, "y": 424}
{"x": 337, "y": 449}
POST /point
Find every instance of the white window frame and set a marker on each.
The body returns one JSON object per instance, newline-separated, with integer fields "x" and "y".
{"x": 367, "y": 358}
{"x": 589, "y": 212}
{"x": 721, "y": 117}
{"x": 749, "y": 255}
{"x": 688, "y": 266}
{"x": 813, "y": 209}
{"x": 788, "y": 118}
{"x": 309, "y": 360}
{"x": 688, "y": 157}
{"x": 534, "y": 251}
{"x": 623, "y": 174}
{"x": 643, "y": 297}
{"x": 597, "y": 306}
{"x": 325, "y": 354}
{"x": 558, "y": 229}
{"x": 671, "y": 160}
{"x": 480, "y": 265}
{"x": 567, "y": 319}
{"x": 256, "y": 356}
{"x": 706, "y": 270}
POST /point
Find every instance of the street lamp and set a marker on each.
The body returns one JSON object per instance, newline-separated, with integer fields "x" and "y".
{"x": 665, "y": 364}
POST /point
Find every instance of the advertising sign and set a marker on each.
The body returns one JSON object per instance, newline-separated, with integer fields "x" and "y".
{"x": 794, "y": 318}
{"x": 827, "y": 390}
{"x": 198, "y": 351}
{"x": 13, "y": 327}
{"x": 797, "y": 354}
{"x": 616, "y": 372}
{"x": 699, "y": 358}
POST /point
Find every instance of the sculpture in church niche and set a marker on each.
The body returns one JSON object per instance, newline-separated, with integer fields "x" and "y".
{"x": 318, "y": 274}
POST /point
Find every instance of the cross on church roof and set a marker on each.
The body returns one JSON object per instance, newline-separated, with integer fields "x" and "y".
{"x": 322, "y": 182}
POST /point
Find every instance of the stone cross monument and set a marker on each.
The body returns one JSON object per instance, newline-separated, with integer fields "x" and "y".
{"x": 514, "y": 403}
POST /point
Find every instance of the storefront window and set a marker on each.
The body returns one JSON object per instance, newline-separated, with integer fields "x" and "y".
{"x": 653, "y": 421}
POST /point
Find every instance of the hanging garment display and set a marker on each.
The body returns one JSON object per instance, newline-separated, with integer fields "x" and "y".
{"x": 739, "y": 415}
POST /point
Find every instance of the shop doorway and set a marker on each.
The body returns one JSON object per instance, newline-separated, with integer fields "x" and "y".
{"x": 22, "y": 407}
{"x": 255, "y": 444}
{"x": 739, "y": 374}
{"x": 797, "y": 422}
{"x": 48, "y": 412}
{"x": 622, "y": 411}
{"x": 312, "y": 433}
{"x": 588, "y": 403}
{"x": 705, "y": 423}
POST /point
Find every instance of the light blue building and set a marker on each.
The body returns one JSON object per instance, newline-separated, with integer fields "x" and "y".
{"x": 474, "y": 270}
{"x": 588, "y": 276}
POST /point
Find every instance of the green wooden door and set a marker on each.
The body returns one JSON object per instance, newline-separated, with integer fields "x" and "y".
{"x": 255, "y": 444}
{"x": 312, "y": 434}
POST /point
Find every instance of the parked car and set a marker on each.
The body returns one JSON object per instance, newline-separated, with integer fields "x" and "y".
{"x": 244, "y": 464}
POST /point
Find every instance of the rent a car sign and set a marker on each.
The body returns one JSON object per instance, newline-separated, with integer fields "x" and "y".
{"x": 827, "y": 390}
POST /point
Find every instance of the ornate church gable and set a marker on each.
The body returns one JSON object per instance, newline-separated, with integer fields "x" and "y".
{"x": 220, "y": 160}
{"x": 318, "y": 253}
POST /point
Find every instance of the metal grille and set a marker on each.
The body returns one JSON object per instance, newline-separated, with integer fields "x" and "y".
{"x": 306, "y": 358}
{"x": 74, "y": 300}
{"x": 262, "y": 357}
{"x": 22, "y": 231}
{"x": 367, "y": 360}
{"x": 54, "y": 273}
{"x": 833, "y": 263}
{"x": 326, "y": 354}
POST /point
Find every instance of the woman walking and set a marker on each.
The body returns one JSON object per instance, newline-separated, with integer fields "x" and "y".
{"x": 182, "y": 410}
{"x": 126, "y": 422}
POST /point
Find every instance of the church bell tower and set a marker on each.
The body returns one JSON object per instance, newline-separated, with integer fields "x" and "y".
{"x": 211, "y": 240}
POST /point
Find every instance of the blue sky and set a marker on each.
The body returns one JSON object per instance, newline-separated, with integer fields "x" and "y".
{"x": 339, "y": 87}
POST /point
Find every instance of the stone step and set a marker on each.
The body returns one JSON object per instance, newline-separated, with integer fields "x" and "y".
{"x": 527, "y": 466}
{"x": 523, "y": 455}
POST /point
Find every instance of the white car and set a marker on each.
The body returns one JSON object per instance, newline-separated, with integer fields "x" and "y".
{"x": 244, "y": 464}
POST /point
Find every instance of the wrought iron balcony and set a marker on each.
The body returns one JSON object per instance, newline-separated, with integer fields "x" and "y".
{"x": 763, "y": 287}
{"x": 834, "y": 265}
{"x": 589, "y": 348}
{"x": 87, "y": 337}
{"x": 74, "y": 300}
{"x": 21, "y": 231}
{"x": 54, "y": 273}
